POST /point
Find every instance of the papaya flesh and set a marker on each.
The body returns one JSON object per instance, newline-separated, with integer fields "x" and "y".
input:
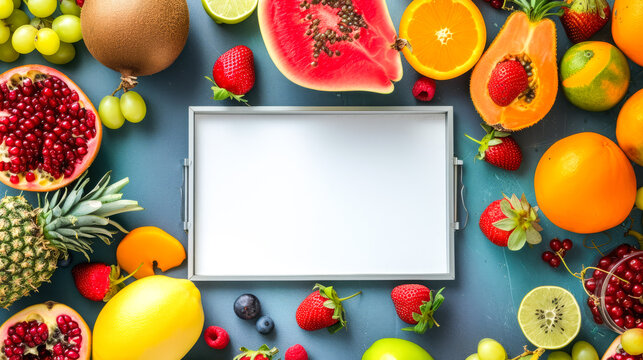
{"x": 332, "y": 45}
{"x": 520, "y": 39}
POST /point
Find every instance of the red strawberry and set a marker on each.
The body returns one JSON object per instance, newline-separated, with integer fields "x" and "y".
{"x": 424, "y": 89}
{"x": 233, "y": 74}
{"x": 511, "y": 222}
{"x": 80, "y": 3}
{"x": 296, "y": 352}
{"x": 322, "y": 309}
{"x": 584, "y": 18}
{"x": 508, "y": 80}
{"x": 415, "y": 305}
{"x": 216, "y": 337}
{"x": 264, "y": 353}
{"x": 499, "y": 149}
{"x": 98, "y": 281}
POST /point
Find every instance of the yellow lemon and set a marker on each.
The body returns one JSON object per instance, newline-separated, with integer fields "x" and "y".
{"x": 157, "y": 317}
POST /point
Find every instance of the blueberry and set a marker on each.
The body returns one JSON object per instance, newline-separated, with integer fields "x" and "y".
{"x": 265, "y": 324}
{"x": 247, "y": 307}
{"x": 64, "y": 262}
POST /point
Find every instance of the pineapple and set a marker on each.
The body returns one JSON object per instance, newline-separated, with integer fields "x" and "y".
{"x": 32, "y": 240}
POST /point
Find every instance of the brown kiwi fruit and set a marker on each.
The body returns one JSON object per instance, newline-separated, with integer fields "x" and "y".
{"x": 135, "y": 37}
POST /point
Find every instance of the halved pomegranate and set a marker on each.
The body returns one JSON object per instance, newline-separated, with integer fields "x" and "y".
{"x": 49, "y": 130}
{"x": 48, "y": 331}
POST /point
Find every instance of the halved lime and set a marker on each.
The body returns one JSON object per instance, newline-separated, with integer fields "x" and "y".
{"x": 549, "y": 317}
{"x": 229, "y": 11}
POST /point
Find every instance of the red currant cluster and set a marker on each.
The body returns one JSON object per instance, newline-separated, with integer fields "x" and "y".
{"x": 557, "y": 246}
{"x": 496, "y": 4}
{"x": 622, "y": 355}
{"x": 622, "y": 299}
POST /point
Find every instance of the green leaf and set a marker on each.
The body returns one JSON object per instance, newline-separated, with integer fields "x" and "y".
{"x": 506, "y": 209}
{"x": 506, "y": 224}
{"x": 330, "y": 304}
{"x": 219, "y": 93}
{"x": 533, "y": 236}
{"x": 517, "y": 239}
{"x": 494, "y": 142}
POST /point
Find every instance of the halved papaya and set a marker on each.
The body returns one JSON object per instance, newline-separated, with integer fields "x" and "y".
{"x": 529, "y": 37}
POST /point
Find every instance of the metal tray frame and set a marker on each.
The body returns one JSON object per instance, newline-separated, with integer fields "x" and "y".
{"x": 453, "y": 164}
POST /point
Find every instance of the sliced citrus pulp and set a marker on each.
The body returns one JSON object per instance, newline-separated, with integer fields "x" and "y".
{"x": 446, "y": 37}
{"x": 549, "y": 316}
{"x": 229, "y": 11}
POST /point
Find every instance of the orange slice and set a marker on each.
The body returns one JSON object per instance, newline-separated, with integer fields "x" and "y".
{"x": 446, "y": 37}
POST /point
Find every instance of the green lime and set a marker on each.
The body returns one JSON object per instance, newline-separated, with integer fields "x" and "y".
{"x": 229, "y": 11}
{"x": 549, "y": 317}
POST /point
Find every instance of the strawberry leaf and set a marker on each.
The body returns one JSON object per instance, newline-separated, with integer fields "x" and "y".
{"x": 330, "y": 304}
{"x": 517, "y": 239}
{"x": 506, "y": 209}
{"x": 533, "y": 236}
{"x": 494, "y": 142}
{"x": 425, "y": 319}
{"x": 506, "y": 224}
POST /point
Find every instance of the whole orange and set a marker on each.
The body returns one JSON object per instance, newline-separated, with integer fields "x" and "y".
{"x": 627, "y": 26}
{"x": 629, "y": 128}
{"x": 585, "y": 184}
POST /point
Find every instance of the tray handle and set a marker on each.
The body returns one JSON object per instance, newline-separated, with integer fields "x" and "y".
{"x": 186, "y": 195}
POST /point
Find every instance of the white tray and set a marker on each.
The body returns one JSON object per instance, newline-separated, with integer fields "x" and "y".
{"x": 291, "y": 193}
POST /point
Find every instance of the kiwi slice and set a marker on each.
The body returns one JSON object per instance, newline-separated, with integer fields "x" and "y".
{"x": 550, "y": 317}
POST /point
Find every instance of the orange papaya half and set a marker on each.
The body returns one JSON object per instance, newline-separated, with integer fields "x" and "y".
{"x": 533, "y": 43}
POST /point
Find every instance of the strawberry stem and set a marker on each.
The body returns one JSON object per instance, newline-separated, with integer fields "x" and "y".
{"x": 472, "y": 139}
{"x": 350, "y": 297}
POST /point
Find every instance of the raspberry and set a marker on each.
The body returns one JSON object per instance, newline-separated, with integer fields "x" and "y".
{"x": 424, "y": 89}
{"x": 216, "y": 337}
{"x": 296, "y": 352}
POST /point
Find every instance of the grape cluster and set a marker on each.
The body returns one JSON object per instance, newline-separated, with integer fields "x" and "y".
{"x": 49, "y": 31}
{"x": 557, "y": 246}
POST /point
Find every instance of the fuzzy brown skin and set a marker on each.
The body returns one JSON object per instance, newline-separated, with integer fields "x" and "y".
{"x": 135, "y": 37}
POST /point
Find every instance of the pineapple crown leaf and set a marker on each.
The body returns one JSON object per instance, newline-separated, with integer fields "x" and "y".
{"x": 537, "y": 10}
{"x": 70, "y": 219}
{"x": 521, "y": 220}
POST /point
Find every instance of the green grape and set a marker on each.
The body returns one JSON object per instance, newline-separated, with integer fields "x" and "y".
{"x": 490, "y": 349}
{"x": 109, "y": 111}
{"x": 23, "y": 39}
{"x": 42, "y": 8}
{"x": 17, "y": 3}
{"x": 7, "y": 53}
{"x": 632, "y": 339}
{"x": 5, "y": 32}
{"x": 639, "y": 198}
{"x": 473, "y": 357}
{"x": 40, "y": 23}
{"x": 69, "y": 7}
{"x": 559, "y": 355}
{"x": 17, "y": 19}
{"x": 47, "y": 41}
{"x": 65, "y": 54}
{"x": 133, "y": 106}
{"x": 583, "y": 350}
{"x": 68, "y": 28}
{"x": 6, "y": 8}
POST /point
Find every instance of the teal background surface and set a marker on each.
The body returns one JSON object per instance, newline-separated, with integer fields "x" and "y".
{"x": 490, "y": 281}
